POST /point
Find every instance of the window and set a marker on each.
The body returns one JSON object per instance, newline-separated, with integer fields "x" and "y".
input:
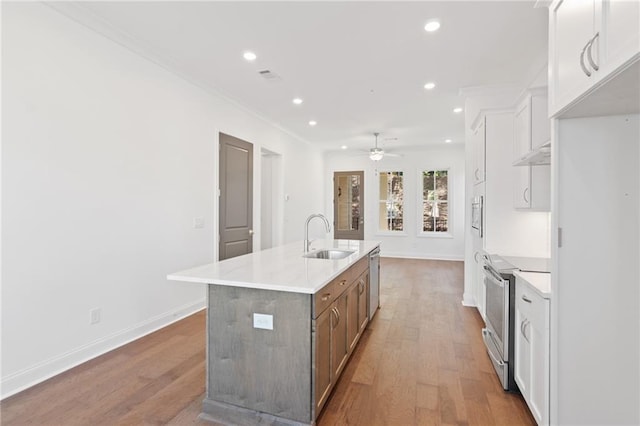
{"x": 391, "y": 201}
{"x": 435, "y": 201}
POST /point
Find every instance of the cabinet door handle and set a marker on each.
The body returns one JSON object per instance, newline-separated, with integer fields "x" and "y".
{"x": 524, "y": 195}
{"x": 475, "y": 256}
{"x": 584, "y": 68}
{"x": 325, "y": 297}
{"x": 525, "y": 298}
{"x": 361, "y": 286}
{"x": 476, "y": 174}
{"x": 523, "y": 328}
{"x": 337, "y": 316}
{"x": 589, "y": 57}
{"x": 343, "y": 282}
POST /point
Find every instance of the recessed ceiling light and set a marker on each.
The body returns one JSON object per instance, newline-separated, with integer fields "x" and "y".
{"x": 312, "y": 123}
{"x": 344, "y": 147}
{"x": 297, "y": 101}
{"x": 448, "y": 141}
{"x": 429, "y": 85}
{"x": 250, "y": 56}
{"x": 432, "y": 26}
{"x": 457, "y": 110}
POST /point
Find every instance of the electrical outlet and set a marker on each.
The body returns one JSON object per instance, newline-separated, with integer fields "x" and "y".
{"x": 95, "y": 315}
{"x": 263, "y": 321}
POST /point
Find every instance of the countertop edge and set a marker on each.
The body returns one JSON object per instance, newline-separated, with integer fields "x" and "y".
{"x": 259, "y": 286}
{"x": 535, "y": 286}
{"x": 191, "y": 275}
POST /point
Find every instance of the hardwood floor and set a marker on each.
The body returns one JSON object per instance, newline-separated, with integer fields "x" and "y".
{"x": 421, "y": 361}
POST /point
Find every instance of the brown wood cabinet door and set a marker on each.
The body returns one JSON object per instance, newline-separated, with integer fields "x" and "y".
{"x": 363, "y": 293}
{"x": 323, "y": 328}
{"x": 353, "y": 325}
{"x": 339, "y": 346}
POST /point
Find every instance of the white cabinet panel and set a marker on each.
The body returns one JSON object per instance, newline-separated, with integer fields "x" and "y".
{"x": 572, "y": 26}
{"x": 479, "y": 153}
{"x": 589, "y": 41}
{"x": 621, "y": 32}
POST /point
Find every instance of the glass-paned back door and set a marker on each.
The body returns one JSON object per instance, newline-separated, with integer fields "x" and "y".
{"x": 348, "y": 205}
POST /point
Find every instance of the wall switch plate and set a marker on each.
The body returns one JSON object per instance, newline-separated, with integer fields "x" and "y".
{"x": 198, "y": 222}
{"x": 94, "y": 316}
{"x": 263, "y": 321}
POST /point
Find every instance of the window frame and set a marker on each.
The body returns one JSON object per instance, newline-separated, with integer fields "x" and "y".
{"x": 386, "y": 232}
{"x": 419, "y": 209}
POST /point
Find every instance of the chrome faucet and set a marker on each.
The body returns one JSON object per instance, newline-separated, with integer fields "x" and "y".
{"x": 327, "y": 226}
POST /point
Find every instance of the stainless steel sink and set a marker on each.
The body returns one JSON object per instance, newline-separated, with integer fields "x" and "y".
{"x": 329, "y": 254}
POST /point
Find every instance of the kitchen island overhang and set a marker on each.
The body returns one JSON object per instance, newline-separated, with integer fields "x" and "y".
{"x": 280, "y": 328}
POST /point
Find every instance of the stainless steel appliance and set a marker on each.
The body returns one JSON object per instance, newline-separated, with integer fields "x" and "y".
{"x": 498, "y": 335}
{"x": 476, "y": 215}
{"x": 374, "y": 281}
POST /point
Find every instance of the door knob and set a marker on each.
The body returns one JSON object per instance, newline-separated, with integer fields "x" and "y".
{"x": 251, "y": 232}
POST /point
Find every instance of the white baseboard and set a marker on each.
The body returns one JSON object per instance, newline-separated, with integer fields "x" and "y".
{"x": 468, "y": 300}
{"x": 44, "y": 370}
{"x": 425, "y": 256}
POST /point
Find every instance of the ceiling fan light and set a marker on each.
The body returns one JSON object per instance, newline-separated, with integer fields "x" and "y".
{"x": 376, "y": 154}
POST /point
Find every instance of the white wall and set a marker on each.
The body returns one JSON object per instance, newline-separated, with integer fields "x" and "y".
{"x": 106, "y": 160}
{"x": 407, "y": 243}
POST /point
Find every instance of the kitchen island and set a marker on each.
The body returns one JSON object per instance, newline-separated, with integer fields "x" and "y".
{"x": 280, "y": 329}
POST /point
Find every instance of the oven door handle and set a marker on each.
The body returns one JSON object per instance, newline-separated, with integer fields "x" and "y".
{"x": 486, "y": 335}
{"x": 499, "y": 281}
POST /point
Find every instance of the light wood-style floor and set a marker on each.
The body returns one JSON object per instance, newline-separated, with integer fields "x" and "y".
{"x": 420, "y": 362}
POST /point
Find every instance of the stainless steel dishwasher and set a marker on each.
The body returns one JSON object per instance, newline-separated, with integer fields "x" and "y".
{"x": 374, "y": 282}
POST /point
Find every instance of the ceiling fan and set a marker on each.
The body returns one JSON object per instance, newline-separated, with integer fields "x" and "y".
{"x": 376, "y": 154}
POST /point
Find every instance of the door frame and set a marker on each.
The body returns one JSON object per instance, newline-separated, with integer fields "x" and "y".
{"x": 356, "y": 235}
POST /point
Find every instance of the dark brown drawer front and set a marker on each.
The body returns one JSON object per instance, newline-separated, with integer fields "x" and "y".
{"x": 330, "y": 292}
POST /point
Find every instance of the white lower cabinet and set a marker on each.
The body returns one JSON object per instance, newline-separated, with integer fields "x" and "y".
{"x": 532, "y": 349}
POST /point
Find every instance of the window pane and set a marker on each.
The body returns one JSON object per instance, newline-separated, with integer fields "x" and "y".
{"x": 442, "y": 185}
{"x": 442, "y": 216}
{"x": 435, "y": 194}
{"x": 355, "y": 202}
{"x": 427, "y": 220}
{"x": 391, "y": 201}
{"x": 427, "y": 186}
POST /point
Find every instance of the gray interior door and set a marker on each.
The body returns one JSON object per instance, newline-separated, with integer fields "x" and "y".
{"x": 348, "y": 205}
{"x": 236, "y": 197}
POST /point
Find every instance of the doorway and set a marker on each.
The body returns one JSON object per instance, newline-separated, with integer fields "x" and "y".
{"x": 348, "y": 205}
{"x": 236, "y": 197}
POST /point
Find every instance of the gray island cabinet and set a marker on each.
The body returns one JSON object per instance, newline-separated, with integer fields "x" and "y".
{"x": 275, "y": 349}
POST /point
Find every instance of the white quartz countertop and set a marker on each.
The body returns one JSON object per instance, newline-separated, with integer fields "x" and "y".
{"x": 280, "y": 268}
{"x": 539, "y": 282}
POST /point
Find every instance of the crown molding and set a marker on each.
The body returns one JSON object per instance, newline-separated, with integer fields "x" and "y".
{"x": 83, "y": 16}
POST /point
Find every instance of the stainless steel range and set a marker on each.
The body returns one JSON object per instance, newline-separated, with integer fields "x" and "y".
{"x": 498, "y": 335}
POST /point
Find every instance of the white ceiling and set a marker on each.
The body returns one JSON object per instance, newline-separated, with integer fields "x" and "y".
{"x": 359, "y": 66}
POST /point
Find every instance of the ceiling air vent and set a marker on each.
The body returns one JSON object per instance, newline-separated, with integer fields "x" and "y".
{"x": 269, "y": 75}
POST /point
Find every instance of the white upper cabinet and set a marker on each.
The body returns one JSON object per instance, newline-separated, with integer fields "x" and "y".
{"x": 589, "y": 40}
{"x": 621, "y": 31}
{"x": 479, "y": 146}
{"x": 531, "y": 171}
